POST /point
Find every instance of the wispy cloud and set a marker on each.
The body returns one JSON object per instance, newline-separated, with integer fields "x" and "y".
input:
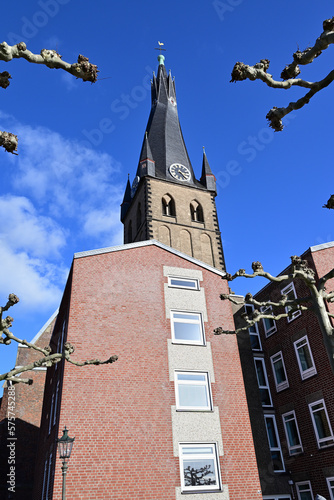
{"x": 59, "y": 194}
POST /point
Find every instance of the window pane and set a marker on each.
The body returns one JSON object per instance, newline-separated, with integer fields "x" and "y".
{"x": 260, "y": 373}
{"x": 322, "y": 424}
{"x": 183, "y": 283}
{"x": 192, "y": 450}
{"x": 187, "y": 331}
{"x": 305, "y": 357}
{"x": 255, "y": 342}
{"x": 191, "y": 376}
{"x": 279, "y": 371}
{"x": 193, "y": 395}
{"x": 199, "y": 472}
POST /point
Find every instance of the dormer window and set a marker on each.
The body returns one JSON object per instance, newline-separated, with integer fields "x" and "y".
{"x": 196, "y": 211}
{"x": 168, "y": 205}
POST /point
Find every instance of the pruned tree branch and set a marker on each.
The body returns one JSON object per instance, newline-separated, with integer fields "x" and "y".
{"x": 82, "y": 69}
{"x": 48, "y": 358}
{"x": 289, "y": 75}
{"x": 315, "y": 301}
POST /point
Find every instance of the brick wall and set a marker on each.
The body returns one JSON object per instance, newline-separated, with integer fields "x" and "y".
{"x": 120, "y": 414}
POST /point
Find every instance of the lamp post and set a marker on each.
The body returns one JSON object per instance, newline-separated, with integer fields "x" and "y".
{"x": 65, "y": 444}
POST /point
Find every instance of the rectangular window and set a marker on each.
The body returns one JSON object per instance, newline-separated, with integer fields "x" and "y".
{"x": 262, "y": 379}
{"x": 321, "y": 424}
{"x": 183, "y": 283}
{"x": 304, "y": 491}
{"x": 292, "y": 433}
{"x": 187, "y": 328}
{"x": 56, "y": 404}
{"x": 290, "y": 292}
{"x": 304, "y": 357}
{"x": 269, "y": 325}
{"x": 277, "y": 363}
{"x": 192, "y": 391}
{"x": 274, "y": 443}
{"x": 253, "y": 330}
{"x": 330, "y": 484}
{"x": 199, "y": 467}
{"x": 48, "y": 482}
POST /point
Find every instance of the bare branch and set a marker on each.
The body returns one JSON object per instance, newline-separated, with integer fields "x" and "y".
{"x": 81, "y": 69}
{"x": 289, "y": 75}
{"x": 47, "y": 360}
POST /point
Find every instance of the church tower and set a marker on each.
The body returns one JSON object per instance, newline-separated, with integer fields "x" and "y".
{"x": 165, "y": 201}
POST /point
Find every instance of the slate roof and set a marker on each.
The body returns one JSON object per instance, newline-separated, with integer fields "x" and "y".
{"x": 163, "y": 137}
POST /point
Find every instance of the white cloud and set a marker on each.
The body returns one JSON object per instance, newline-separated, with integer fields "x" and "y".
{"x": 24, "y": 229}
{"x": 37, "y": 283}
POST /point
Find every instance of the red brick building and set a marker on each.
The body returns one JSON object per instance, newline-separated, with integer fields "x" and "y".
{"x": 26, "y": 405}
{"x": 170, "y": 417}
{"x": 293, "y": 367}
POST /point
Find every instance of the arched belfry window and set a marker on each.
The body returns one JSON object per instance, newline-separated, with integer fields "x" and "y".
{"x": 138, "y": 217}
{"x": 196, "y": 211}
{"x": 130, "y": 232}
{"x": 168, "y": 205}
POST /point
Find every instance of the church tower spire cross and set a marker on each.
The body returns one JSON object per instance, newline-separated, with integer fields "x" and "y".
{"x": 166, "y": 202}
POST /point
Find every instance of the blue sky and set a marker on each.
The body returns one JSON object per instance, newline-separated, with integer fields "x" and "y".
{"x": 78, "y": 142}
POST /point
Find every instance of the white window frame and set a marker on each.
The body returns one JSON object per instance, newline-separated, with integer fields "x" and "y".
{"x": 49, "y": 477}
{"x": 309, "y": 372}
{"x": 214, "y": 456}
{"x": 205, "y": 383}
{"x": 280, "y": 386}
{"x": 302, "y": 483}
{"x": 278, "y": 448}
{"x": 263, "y": 387}
{"x": 56, "y": 403}
{"x": 255, "y": 326}
{"x": 273, "y": 329}
{"x": 329, "y": 440}
{"x": 293, "y": 449}
{"x": 330, "y": 486}
{"x": 193, "y": 283}
{"x": 194, "y": 318}
{"x": 286, "y": 291}
{"x": 51, "y": 412}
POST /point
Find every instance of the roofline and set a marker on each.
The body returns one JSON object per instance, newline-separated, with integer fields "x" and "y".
{"x": 322, "y": 246}
{"x": 42, "y": 330}
{"x": 312, "y": 249}
{"x": 139, "y": 244}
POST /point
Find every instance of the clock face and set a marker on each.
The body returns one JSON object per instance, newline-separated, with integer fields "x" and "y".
{"x": 180, "y": 172}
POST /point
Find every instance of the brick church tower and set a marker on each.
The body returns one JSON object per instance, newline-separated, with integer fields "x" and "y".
{"x": 165, "y": 201}
{"x": 169, "y": 420}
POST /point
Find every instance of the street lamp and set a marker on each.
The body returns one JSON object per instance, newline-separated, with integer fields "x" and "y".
{"x": 65, "y": 444}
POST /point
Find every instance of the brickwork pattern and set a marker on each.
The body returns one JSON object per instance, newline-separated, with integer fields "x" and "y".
{"x": 120, "y": 414}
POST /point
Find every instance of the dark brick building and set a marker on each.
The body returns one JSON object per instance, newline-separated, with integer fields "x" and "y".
{"x": 292, "y": 366}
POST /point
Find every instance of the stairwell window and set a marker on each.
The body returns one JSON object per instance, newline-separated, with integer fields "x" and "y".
{"x": 292, "y": 433}
{"x": 290, "y": 292}
{"x": 304, "y": 491}
{"x": 199, "y": 467}
{"x": 321, "y": 424}
{"x": 187, "y": 328}
{"x": 192, "y": 391}
{"x": 330, "y": 484}
{"x": 262, "y": 380}
{"x": 253, "y": 330}
{"x": 304, "y": 357}
{"x": 268, "y": 324}
{"x": 281, "y": 380}
{"x": 274, "y": 443}
{"x": 168, "y": 205}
